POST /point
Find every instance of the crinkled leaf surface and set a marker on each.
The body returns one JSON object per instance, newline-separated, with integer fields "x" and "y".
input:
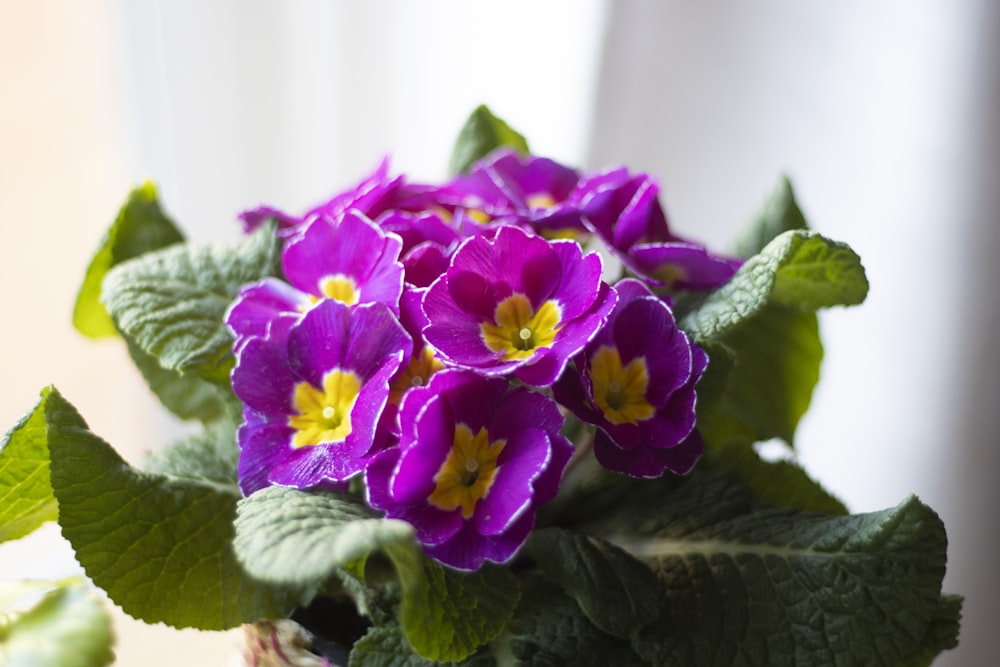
{"x": 211, "y": 455}
{"x": 141, "y": 226}
{"x": 26, "y": 500}
{"x": 172, "y": 302}
{"x": 551, "y": 630}
{"x": 67, "y": 627}
{"x": 160, "y": 546}
{"x": 301, "y": 538}
{"x": 747, "y": 583}
{"x": 187, "y": 396}
{"x": 386, "y": 646}
{"x": 617, "y": 592}
{"x": 482, "y": 133}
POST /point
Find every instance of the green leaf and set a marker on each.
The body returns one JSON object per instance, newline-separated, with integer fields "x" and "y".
{"x": 776, "y": 483}
{"x": 550, "y": 630}
{"x": 210, "y": 455}
{"x": 300, "y": 538}
{"x": 172, "y": 302}
{"x": 26, "y": 500}
{"x": 67, "y": 627}
{"x": 141, "y": 226}
{"x": 767, "y": 388}
{"x": 160, "y": 546}
{"x": 780, "y": 214}
{"x": 387, "y": 647}
{"x": 187, "y": 396}
{"x": 617, "y": 592}
{"x": 940, "y": 636}
{"x": 798, "y": 269}
{"x": 482, "y": 133}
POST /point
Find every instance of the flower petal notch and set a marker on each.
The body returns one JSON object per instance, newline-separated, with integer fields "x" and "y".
{"x": 516, "y": 303}
{"x": 636, "y": 381}
{"x": 475, "y": 459}
{"x": 314, "y": 394}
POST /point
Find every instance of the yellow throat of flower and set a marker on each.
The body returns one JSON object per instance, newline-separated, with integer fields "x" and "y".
{"x": 467, "y": 474}
{"x": 518, "y": 330}
{"x": 620, "y": 391}
{"x": 324, "y": 415}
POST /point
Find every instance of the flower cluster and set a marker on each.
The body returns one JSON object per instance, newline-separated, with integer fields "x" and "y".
{"x": 430, "y": 341}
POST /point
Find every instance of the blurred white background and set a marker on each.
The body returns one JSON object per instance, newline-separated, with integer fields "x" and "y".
{"x": 883, "y": 114}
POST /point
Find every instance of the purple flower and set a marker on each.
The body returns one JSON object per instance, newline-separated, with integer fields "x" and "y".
{"x": 624, "y": 210}
{"x": 516, "y": 303}
{"x": 475, "y": 459}
{"x": 349, "y": 259}
{"x": 313, "y": 394}
{"x": 636, "y": 382}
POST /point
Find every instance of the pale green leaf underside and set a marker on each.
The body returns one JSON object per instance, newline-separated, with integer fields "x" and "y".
{"x": 482, "y": 133}
{"x": 67, "y": 627}
{"x": 172, "y": 302}
{"x": 798, "y": 269}
{"x": 26, "y": 500}
{"x": 159, "y": 546}
{"x": 210, "y": 455}
{"x": 141, "y": 226}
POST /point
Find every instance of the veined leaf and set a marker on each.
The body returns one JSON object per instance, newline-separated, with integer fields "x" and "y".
{"x": 159, "y": 546}
{"x": 66, "y": 627}
{"x": 781, "y": 213}
{"x": 385, "y": 646}
{"x": 26, "y": 500}
{"x": 482, "y": 133}
{"x": 210, "y": 455}
{"x": 141, "y": 226}
{"x": 172, "y": 302}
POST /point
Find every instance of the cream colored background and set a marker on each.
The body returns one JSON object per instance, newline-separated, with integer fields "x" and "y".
{"x": 883, "y": 113}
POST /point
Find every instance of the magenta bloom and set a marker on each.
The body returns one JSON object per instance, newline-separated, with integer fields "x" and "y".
{"x": 313, "y": 394}
{"x": 636, "y": 382}
{"x": 349, "y": 259}
{"x": 475, "y": 459}
{"x": 516, "y": 303}
{"x": 624, "y": 210}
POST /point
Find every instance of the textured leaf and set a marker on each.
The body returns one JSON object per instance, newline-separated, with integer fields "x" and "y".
{"x": 798, "y": 269}
{"x": 617, "y": 592}
{"x": 301, "y": 538}
{"x": 160, "y": 546}
{"x": 482, "y": 133}
{"x": 67, "y": 627}
{"x": 26, "y": 500}
{"x": 211, "y": 455}
{"x": 776, "y": 483}
{"x": 386, "y": 647}
{"x": 780, "y": 214}
{"x": 446, "y": 614}
{"x": 172, "y": 302}
{"x": 765, "y": 391}
{"x": 550, "y": 630}
{"x": 187, "y": 396}
{"x": 940, "y": 636}
{"x": 141, "y": 226}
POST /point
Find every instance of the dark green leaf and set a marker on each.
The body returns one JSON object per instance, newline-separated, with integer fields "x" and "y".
{"x": 26, "y": 500}
{"x": 67, "y": 627}
{"x": 386, "y": 647}
{"x": 482, "y": 133}
{"x": 550, "y": 630}
{"x": 780, "y": 214}
{"x": 141, "y": 226}
{"x": 172, "y": 302}
{"x": 160, "y": 546}
{"x": 617, "y": 592}
{"x": 940, "y": 636}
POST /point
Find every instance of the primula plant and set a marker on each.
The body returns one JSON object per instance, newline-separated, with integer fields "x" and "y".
{"x": 506, "y": 419}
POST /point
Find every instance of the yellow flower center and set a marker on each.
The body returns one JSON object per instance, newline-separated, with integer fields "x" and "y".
{"x": 670, "y": 274}
{"x": 467, "y": 474}
{"x": 340, "y": 287}
{"x": 422, "y": 366}
{"x": 518, "y": 330}
{"x": 540, "y": 200}
{"x": 324, "y": 415}
{"x": 620, "y": 391}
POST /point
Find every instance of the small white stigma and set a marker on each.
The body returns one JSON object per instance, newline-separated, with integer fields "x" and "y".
{"x": 417, "y": 381}
{"x": 524, "y": 334}
{"x": 614, "y": 387}
{"x": 472, "y": 465}
{"x": 329, "y": 412}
